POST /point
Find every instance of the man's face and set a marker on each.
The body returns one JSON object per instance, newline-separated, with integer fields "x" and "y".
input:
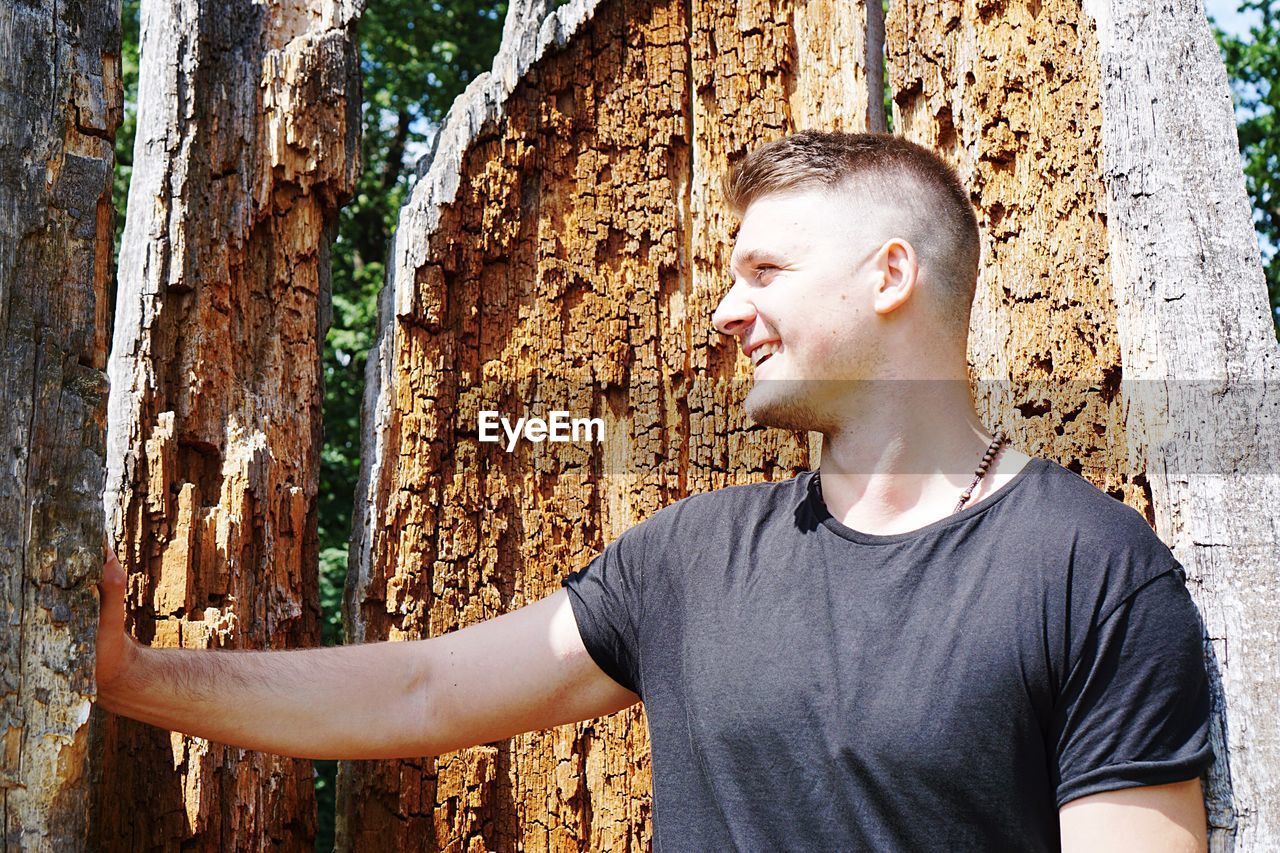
{"x": 801, "y": 305}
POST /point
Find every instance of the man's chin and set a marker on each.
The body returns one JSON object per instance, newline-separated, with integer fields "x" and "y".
{"x": 782, "y": 403}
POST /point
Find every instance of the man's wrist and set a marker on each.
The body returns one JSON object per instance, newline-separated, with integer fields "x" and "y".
{"x": 126, "y": 677}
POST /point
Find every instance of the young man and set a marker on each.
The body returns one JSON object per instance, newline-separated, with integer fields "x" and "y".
{"x": 873, "y": 658}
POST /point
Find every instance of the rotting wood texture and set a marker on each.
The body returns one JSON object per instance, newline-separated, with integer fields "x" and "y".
{"x": 60, "y": 87}
{"x": 564, "y": 250}
{"x": 1010, "y": 97}
{"x": 1121, "y": 317}
{"x": 248, "y": 122}
{"x": 1202, "y": 374}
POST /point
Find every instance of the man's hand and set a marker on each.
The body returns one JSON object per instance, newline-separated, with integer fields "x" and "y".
{"x": 519, "y": 672}
{"x": 116, "y": 649}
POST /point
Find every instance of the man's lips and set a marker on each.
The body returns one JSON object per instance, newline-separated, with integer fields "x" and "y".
{"x": 756, "y": 357}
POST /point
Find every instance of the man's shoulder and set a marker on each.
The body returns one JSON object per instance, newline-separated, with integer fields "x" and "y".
{"x": 731, "y": 501}
{"x": 1077, "y": 507}
{"x": 721, "y": 512}
{"x": 1096, "y": 542}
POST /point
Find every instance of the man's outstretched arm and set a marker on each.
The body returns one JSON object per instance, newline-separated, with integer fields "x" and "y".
{"x": 519, "y": 672}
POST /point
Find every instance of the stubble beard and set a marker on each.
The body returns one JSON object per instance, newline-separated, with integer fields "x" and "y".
{"x": 789, "y": 404}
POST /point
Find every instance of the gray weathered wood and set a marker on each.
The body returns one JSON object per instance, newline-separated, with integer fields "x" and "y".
{"x": 1202, "y": 373}
{"x": 247, "y": 144}
{"x": 59, "y": 109}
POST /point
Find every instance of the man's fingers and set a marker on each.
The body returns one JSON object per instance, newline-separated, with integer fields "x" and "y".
{"x": 111, "y": 591}
{"x": 114, "y": 649}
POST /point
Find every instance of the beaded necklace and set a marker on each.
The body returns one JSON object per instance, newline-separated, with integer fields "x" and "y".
{"x": 978, "y": 474}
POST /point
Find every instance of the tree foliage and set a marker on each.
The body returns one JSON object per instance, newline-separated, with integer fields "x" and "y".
{"x": 1253, "y": 66}
{"x": 129, "y": 12}
{"x": 416, "y": 58}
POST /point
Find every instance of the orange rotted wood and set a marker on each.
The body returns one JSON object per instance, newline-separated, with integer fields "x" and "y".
{"x": 564, "y": 251}
{"x": 247, "y": 125}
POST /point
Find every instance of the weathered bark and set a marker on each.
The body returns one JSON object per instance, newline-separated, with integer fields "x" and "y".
{"x": 566, "y": 247}
{"x": 564, "y": 251}
{"x": 1098, "y": 142}
{"x": 60, "y": 87}
{"x": 1197, "y": 338}
{"x": 1011, "y": 98}
{"x": 248, "y": 119}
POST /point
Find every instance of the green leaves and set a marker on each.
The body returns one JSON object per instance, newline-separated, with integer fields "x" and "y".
{"x": 416, "y": 57}
{"x": 123, "y": 172}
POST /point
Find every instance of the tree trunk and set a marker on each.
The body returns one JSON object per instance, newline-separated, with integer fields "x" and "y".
{"x": 567, "y": 245}
{"x": 1198, "y": 344}
{"x": 1123, "y": 296}
{"x": 564, "y": 251}
{"x": 60, "y": 86}
{"x": 248, "y": 123}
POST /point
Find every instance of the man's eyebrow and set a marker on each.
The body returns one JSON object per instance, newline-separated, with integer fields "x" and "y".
{"x": 754, "y": 256}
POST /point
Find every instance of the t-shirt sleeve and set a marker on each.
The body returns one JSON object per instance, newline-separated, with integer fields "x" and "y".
{"x": 605, "y": 596}
{"x": 1135, "y": 707}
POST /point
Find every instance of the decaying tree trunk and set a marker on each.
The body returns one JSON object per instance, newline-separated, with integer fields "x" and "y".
{"x": 60, "y": 87}
{"x": 1123, "y": 295}
{"x": 566, "y": 246}
{"x": 248, "y": 120}
{"x": 564, "y": 252}
{"x": 1197, "y": 338}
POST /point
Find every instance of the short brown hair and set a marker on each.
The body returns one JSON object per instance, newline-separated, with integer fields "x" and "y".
{"x": 876, "y": 165}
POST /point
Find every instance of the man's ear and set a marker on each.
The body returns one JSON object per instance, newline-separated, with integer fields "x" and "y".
{"x": 897, "y": 271}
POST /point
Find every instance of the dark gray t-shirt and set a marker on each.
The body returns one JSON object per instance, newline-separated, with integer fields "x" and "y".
{"x": 809, "y": 686}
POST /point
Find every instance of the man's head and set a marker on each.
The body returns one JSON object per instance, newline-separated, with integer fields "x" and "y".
{"x": 856, "y": 260}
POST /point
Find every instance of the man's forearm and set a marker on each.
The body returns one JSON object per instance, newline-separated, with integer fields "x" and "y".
{"x": 363, "y": 701}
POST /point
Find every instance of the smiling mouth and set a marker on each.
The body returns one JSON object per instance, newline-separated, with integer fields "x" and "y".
{"x": 763, "y": 352}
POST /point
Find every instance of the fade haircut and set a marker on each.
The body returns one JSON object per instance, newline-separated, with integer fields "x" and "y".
{"x": 896, "y": 174}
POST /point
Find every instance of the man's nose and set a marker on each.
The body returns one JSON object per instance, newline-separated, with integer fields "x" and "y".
{"x": 734, "y": 315}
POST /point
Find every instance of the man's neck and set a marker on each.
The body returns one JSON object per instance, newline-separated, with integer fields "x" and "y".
{"x": 904, "y": 463}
